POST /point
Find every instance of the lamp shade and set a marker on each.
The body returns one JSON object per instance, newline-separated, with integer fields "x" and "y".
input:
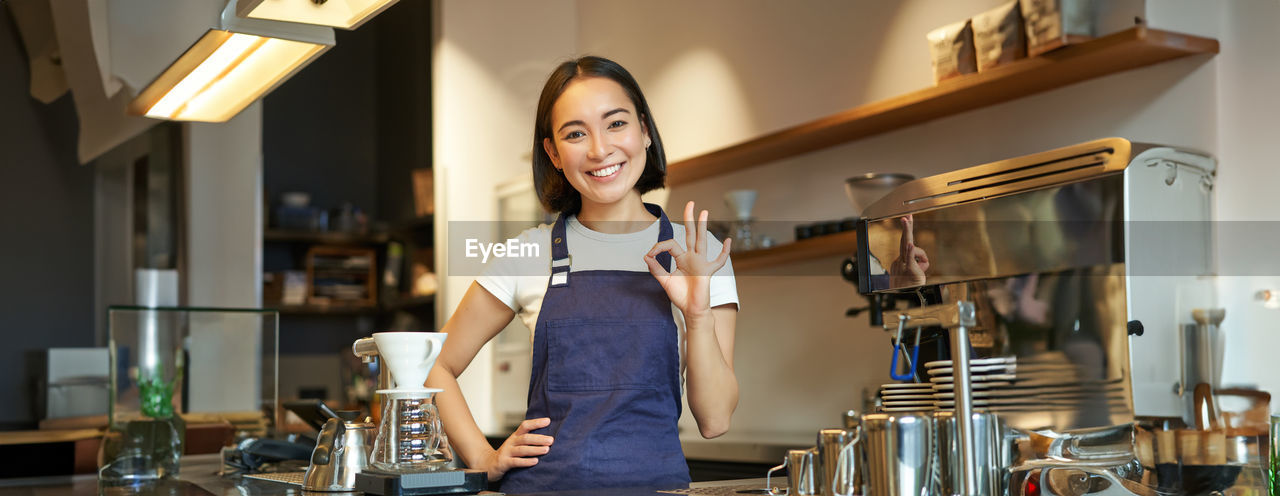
{"x": 221, "y": 74}
{"x": 345, "y": 14}
{"x": 229, "y": 67}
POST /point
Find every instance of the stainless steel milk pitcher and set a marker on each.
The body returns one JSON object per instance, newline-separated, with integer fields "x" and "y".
{"x": 899, "y": 450}
{"x": 988, "y": 452}
{"x": 837, "y": 460}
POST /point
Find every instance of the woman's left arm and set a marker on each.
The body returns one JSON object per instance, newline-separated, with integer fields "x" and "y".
{"x": 712, "y": 386}
{"x": 711, "y": 383}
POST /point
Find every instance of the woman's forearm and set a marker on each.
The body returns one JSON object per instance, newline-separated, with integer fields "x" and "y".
{"x": 465, "y": 437}
{"x": 478, "y": 319}
{"x": 711, "y": 382}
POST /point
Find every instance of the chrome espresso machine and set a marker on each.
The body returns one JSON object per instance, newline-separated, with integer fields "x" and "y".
{"x": 1046, "y": 294}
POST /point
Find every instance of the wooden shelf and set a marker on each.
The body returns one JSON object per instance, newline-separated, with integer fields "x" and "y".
{"x": 424, "y": 222}
{"x": 323, "y": 237}
{"x": 409, "y": 302}
{"x": 1119, "y": 52}
{"x": 844, "y": 243}
{"x": 49, "y": 436}
{"x": 400, "y": 304}
{"x": 326, "y": 310}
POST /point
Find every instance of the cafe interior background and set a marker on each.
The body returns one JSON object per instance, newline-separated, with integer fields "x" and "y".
{"x": 451, "y": 85}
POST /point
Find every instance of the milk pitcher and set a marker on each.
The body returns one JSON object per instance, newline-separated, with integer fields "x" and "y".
{"x": 838, "y": 453}
{"x": 801, "y": 473}
{"x": 899, "y": 450}
{"x": 990, "y": 455}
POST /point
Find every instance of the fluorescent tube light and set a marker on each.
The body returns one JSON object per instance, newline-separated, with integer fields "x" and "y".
{"x": 345, "y": 14}
{"x": 221, "y": 75}
{"x": 229, "y": 67}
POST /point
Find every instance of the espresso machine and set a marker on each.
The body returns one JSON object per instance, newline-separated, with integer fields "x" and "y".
{"x": 1050, "y": 284}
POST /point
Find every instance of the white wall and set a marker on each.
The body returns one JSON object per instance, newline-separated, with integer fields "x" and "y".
{"x": 224, "y": 210}
{"x": 224, "y": 260}
{"x": 485, "y": 90}
{"x": 718, "y": 72}
{"x": 1246, "y": 191}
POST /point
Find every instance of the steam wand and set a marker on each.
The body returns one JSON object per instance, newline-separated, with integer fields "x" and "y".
{"x": 957, "y": 318}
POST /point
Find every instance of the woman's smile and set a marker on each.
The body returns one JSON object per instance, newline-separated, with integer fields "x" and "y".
{"x": 606, "y": 174}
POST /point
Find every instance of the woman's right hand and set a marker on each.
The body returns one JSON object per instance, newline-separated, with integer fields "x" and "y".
{"x": 521, "y": 449}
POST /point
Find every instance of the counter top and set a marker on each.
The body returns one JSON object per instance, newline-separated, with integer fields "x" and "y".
{"x": 199, "y": 477}
{"x": 740, "y": 447}
{"x": 748, "y": 447}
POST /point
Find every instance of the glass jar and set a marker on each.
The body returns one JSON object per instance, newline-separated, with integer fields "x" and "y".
{"x": 410, "y": 437}
{"x": 144, "y": 439}
{"x": 167, "y": 362}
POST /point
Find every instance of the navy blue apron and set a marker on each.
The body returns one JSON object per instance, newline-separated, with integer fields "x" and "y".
{"x": 606, "y": 370}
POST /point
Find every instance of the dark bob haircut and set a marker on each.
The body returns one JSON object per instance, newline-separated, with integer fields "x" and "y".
{"x": 554, "y": 191}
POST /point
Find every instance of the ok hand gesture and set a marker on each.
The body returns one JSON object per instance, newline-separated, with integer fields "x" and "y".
{"x": 688, "y": 284}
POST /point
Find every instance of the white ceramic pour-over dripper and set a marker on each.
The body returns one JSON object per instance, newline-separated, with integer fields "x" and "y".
{"x": 409, "y": 356}
{"x": 741, "y": 201}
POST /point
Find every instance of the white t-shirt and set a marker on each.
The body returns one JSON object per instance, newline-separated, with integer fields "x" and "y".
{"x": 521, "y": 282}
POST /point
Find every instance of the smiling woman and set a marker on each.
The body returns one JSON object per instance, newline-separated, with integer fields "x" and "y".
{"x": 626, "y": 308}
{"x": 592, "y": 114}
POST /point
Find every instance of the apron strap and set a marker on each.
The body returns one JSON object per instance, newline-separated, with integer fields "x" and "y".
{"x": 561, "y": 259}
{"x": 664, "y": 233}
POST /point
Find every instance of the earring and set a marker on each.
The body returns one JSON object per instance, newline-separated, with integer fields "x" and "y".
{"x": 647, "y": 142}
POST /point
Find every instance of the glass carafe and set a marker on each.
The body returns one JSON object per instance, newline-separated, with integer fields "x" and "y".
{"x": 410, "y": 437}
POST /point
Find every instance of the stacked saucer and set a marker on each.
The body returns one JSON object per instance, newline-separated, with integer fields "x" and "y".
{"x": 907, "y": 397}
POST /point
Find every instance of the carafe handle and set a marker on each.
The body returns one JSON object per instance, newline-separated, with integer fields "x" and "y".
{"x": 847, "y": 456}
{"x": 434, "y": 348}
{"x": 430, "y": 357}
{"x": 807, "y": 485}
{"x": 768, "y": 478}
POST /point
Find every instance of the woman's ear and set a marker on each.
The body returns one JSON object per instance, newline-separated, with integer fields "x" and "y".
{"x": 647, "y": 141}
{"x": 550, "y": 148}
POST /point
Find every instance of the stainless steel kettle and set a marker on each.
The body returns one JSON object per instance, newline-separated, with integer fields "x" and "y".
{"x": 342, "y": 451}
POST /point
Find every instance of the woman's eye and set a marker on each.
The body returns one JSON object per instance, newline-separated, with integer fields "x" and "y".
{"x": 617, "y": 124}
{"x": 574, "y": 135}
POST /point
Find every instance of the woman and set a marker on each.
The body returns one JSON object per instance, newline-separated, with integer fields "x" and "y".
{"x": 621, "y": 303}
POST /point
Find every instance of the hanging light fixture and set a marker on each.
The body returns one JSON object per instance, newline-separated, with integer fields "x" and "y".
{"x": 345, "y": 14}
{"x": 230, "y": 67}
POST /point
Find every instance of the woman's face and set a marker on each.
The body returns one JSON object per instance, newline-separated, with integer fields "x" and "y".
{"x": 597, "y": 140}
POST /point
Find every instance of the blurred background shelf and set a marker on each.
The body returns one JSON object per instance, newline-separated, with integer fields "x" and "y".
{"x": 350, "y": 310}
{"x": 323, "y": 237}
{"x": 409, "y": 303}
{"x": 416, "y": 223}
{"x": 844, "y": 243}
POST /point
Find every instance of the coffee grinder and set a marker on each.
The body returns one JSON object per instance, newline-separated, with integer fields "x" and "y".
{"x": 411, "y": 454}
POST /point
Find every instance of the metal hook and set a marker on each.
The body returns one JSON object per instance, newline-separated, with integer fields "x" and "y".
{"x": 910, "y": 374}
{"x": 768, "y": 478}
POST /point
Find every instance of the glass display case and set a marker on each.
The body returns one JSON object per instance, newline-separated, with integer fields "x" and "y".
{"x": 175, "y": 365}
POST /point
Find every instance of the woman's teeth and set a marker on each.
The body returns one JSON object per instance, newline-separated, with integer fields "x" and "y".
{"x": 607, "y": 171}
